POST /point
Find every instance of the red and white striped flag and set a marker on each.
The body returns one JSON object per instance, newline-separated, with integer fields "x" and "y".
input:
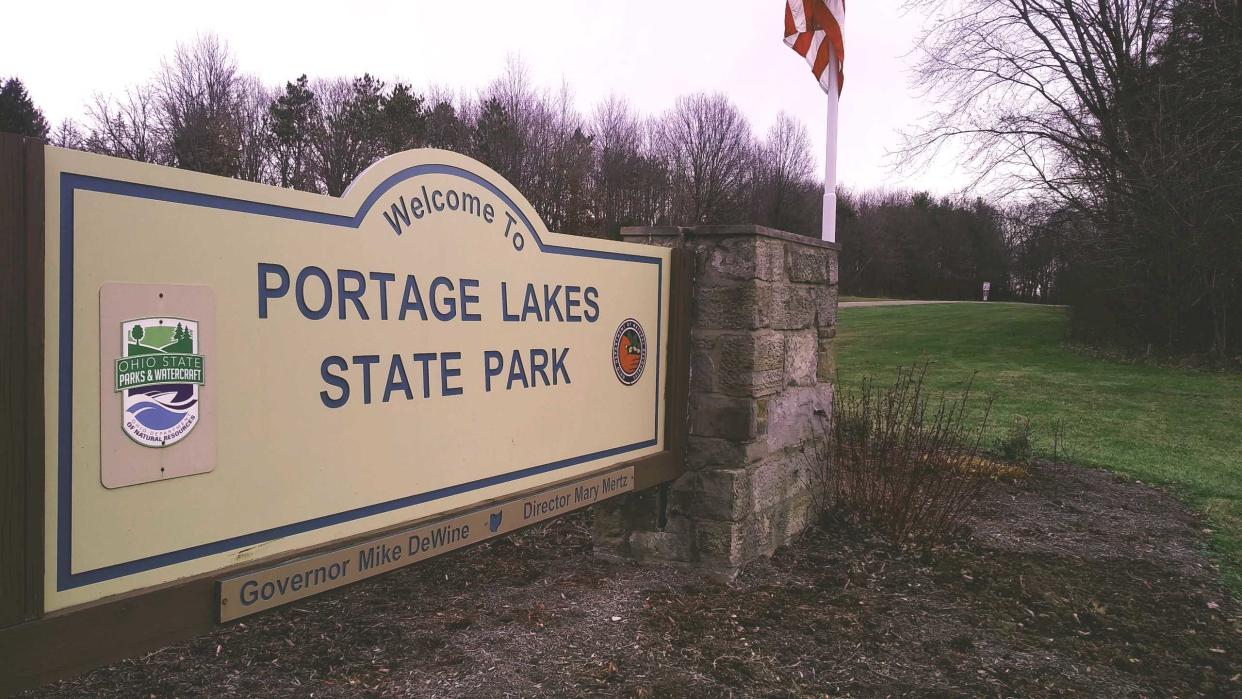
{"x": 811, "y": 28}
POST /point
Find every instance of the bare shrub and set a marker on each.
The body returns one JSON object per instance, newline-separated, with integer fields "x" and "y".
{"x": 904, "y": 463}
{"x": 1018, "y": 444}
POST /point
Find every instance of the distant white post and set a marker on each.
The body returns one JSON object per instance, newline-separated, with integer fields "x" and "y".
{"x": 828, "y": 231}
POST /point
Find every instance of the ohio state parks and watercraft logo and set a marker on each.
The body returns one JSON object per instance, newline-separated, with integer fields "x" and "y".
{"x": 159, "y": 375}
{"x": 629, "y": 351}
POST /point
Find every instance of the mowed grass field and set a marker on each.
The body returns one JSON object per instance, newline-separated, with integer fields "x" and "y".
{"x": 1176, "y": 427}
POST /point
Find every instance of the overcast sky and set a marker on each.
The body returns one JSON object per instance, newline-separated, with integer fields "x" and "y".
{"x": 650, "y": 51}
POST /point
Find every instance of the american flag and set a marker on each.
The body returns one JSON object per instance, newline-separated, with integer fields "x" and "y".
{"x": 811, "y": 28}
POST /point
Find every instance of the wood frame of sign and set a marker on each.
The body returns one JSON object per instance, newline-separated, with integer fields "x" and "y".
{"x": 36, "y": 647}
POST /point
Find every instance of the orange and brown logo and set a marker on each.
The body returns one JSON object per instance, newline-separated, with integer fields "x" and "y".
{"x": 629, "y": 352}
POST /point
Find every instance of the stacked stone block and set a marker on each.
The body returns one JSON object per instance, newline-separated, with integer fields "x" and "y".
{"x": 763, "y": 323}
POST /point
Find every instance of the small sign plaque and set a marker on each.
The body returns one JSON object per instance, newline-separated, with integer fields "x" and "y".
{"x": 263, "y": 589}
{"x": 154, "y": 382}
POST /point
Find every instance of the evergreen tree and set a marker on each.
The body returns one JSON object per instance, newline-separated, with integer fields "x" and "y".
{"x": 445, "y": 129}
{"x": 348, "y": 139}
{"x": 18, "y": 113}
{"x": 403, "y": 120}
{"x": 495, "y": 139}
{"x": 294, "y": 116}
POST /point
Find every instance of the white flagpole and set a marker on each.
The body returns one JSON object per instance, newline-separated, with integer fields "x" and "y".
{"x": 829, "y": 229}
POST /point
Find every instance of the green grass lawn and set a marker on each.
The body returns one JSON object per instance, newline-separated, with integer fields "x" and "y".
{"x": 1159, "y": 425}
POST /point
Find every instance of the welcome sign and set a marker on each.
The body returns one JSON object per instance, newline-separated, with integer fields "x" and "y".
{"x": 237, "y": 371}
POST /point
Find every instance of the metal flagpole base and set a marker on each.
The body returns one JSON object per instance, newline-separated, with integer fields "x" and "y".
{"x": 829, "y": 230}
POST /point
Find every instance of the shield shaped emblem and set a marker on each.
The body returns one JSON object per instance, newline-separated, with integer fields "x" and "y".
{"x": 159, "y": 375}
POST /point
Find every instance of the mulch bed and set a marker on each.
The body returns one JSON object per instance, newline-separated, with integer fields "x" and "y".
{"x": 1070, "y": 581}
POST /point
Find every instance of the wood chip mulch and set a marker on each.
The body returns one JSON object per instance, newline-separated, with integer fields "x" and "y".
{"x": 1070, "y": 582}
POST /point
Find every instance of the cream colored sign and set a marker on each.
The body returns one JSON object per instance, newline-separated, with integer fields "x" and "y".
{"x": 271, "y": 587}
{"x": 418, "y": 345}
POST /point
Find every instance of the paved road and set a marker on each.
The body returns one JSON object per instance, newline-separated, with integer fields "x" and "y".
{"x": 911, "y": 302}
{"x": 896, "y": 302}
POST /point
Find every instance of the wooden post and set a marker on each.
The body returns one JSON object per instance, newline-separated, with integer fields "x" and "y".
{"x": 21, "y": 379}
{"x": 677, "y": 383}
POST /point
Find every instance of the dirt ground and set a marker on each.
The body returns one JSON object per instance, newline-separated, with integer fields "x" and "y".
{"x": 1069, "y": 582}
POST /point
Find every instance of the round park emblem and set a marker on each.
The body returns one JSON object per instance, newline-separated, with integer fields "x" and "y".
{"x": 158, "y": 375}
{"x": 629, "y": 352}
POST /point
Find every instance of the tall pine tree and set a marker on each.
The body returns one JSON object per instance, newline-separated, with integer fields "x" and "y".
{"x": 18, "y": 113}
{"x": 294, "y": 118}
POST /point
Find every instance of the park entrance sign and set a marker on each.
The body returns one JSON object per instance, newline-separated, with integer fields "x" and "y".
{"x": 277, "y": 370}
{"x": 264, "y": 392}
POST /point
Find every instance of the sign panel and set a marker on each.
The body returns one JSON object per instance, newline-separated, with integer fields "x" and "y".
{"x": 237, "y": 370}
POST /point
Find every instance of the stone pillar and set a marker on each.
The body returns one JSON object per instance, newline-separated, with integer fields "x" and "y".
{"x": 763, "y": 323}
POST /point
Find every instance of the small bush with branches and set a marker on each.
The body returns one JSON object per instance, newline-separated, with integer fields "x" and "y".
{"x": 904, "y": 463}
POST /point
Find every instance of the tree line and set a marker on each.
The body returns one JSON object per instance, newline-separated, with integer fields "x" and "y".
{"x": 698, "y": 162}
{"x": 912, "y": 245}
{"x": 1106, "y": 133}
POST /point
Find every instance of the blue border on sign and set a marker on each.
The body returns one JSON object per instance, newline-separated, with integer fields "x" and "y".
{"x": 70, "y": 183}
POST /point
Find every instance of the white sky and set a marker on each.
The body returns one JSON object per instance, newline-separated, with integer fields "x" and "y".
{"x": 649, "y": 51}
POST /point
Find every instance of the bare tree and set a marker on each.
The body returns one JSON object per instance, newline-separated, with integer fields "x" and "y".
{"x": 69, "y": 135}
{"x": 786, "y": 168}
{"x": 1030, "y": 88}
{"x": 197, "y": 93}
{"x": 707, "y": 144}
{"x": 254, "y": 161}
{"x": 560, "y": 158}
{"x": 126, "y": 127}
{"x": 619, "y": 141}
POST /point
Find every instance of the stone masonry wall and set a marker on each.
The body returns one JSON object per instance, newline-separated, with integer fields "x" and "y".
{"x": 764, "y": 318}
